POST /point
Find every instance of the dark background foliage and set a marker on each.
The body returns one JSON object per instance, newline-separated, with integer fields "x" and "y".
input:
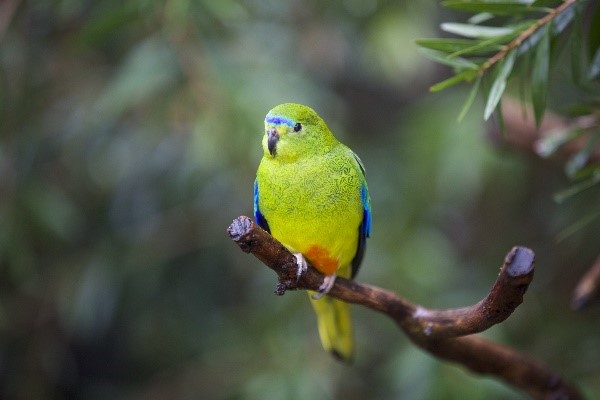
{"x": 129, "y": 137}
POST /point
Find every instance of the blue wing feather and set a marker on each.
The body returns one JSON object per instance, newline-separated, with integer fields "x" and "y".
{"x": 364, "y": 230}
{"x": 366, "y": 202}
{"x": 258, "y": 217}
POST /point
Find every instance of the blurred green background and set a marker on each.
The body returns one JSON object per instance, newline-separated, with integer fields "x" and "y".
{"x": 129, "y": 138}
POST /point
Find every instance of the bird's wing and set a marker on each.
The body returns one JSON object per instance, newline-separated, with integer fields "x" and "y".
{"x": 258, "y": 217}
{"x": 364, "y": 230}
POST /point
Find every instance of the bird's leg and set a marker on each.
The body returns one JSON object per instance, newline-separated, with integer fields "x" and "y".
{"x": 325, "y": 286}
{"x": 302, "y": 265}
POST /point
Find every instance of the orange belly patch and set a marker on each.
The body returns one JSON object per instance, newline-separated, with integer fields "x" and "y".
{"x": 321, "y": 260}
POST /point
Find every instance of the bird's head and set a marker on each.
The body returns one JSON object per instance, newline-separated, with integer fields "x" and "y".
{"x": 293, "y": 131}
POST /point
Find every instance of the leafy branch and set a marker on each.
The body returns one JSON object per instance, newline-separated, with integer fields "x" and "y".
{"x": 446, "y": 334}
{"x": 492, "y": 51}
{"x": 523, "y": 39}
{"x": 526, "y": 34}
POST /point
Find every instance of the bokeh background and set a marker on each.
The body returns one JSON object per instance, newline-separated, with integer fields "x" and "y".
{"x": 129, "y": 138}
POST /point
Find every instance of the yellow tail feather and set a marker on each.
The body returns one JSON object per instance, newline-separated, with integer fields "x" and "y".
{"x": 335, "y": 326}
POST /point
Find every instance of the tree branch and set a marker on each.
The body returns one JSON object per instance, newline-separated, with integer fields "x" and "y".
{"x": 522, "y": 132}
{"x": 440, "y": 332}
{"x": 525, "y": 35}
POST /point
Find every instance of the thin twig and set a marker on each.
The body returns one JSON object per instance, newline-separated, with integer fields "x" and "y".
{"x": 440, "y": 332}
{"x": 526, "y": 34}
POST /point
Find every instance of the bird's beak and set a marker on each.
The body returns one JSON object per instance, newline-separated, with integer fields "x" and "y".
{"x": 272, "y": 139}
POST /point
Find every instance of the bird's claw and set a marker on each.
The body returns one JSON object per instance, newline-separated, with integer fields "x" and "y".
{"x": 302, "y": 265}
{"x": 325, "y": 287}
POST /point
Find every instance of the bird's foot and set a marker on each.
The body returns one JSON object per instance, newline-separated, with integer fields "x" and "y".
{"x": 325, "y": 286}
{"x": 302, "y": 265}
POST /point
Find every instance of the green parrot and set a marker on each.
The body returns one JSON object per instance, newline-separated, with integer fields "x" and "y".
{"x": 311, "y": 194}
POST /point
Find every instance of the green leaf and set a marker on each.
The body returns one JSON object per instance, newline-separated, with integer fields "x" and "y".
{"x": 586, "y": 172}
{"x": 470, "y": 99}
{"x": 495, "y": 7}
{"x": 497, "y": 89}
{"x": 500, "y": 116}
{"x": 594, "y": 70}
{"x": 485, "y": 46}
{"x": 466, "y": 75}
{"x": 523, "y": 75}
{"x": 579, "y": 160}
{"x": 578, "y": 188}
{"x": 545, "y": 3}
{"x": 554, "y": 140}
{"x": 563, "y": 20}
{"x": 576, "y": 48}
{"x": 442, "y": 58}
{"x": 577, "y": 226}
{"x": 479, "y": 18}
{"x": 475, "y": 31}
{"x": 531, "y": 41}
{"x": 539, "y": 76}
{"x": 594, "y": 32}
{"x": 446, "y": 45}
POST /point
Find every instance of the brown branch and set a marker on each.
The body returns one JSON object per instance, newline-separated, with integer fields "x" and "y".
{"x": 525, "y": 35}
{"x": 440, "y": 332}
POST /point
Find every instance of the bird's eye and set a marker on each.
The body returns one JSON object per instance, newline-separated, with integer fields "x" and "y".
{"x": 297, "y": 127}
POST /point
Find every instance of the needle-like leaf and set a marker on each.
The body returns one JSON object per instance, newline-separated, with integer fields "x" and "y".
{"x": 582, "y": 157}
{"x": 466, "y": 75}
{"x": 504, "y": 69}
{"x": 577, "y": 52}
{"x": 539, "y": 75}
{"x": 495, "y": 7}
{"x": 475, "y": 31}
{"x": 594, "y": 70}
{"x": 470, "y": 99}
{"x": 442, "y": 58}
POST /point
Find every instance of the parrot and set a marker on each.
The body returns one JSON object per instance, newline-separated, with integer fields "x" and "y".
{"x": 311, "y": 194}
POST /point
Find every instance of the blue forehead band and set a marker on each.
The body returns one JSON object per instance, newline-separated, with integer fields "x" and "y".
{"x": 275, "y": 120}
